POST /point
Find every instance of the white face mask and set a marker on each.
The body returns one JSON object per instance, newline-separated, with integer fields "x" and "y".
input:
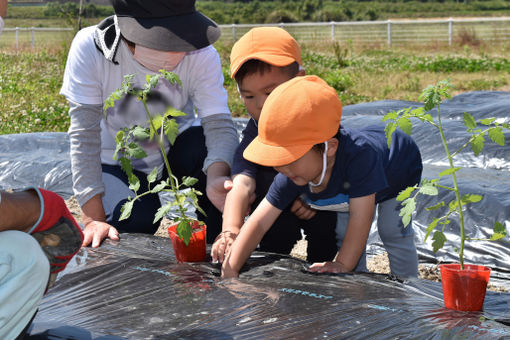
{"x": 156, "y": 60}
{"x": 323, "y": 173}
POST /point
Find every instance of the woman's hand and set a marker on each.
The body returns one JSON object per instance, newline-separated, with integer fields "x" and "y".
{"x": 96, "y": 231}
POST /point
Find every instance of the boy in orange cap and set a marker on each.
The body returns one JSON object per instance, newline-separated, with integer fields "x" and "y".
{"x": 261, "y": 60}
{"x": 301, "y": 136}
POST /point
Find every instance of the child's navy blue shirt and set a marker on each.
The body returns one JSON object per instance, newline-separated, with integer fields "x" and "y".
{"x": 264, "y": 175}
{"x": 364, "y": 165}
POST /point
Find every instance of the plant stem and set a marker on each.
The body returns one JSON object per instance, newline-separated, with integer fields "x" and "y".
{"x": 469, "y": 141}
{"x": 161, "y": 145}
{"x": 455, "y": 185}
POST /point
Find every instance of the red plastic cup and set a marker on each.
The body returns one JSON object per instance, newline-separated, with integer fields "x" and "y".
{"x": 195, "y": 250}
{"x": 464, "y": 290}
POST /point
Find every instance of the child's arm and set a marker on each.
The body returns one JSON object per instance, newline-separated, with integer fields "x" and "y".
{"x": 361, "y": 213}
{"x": 237, "y": 205}
{"x": 251, "y": 233}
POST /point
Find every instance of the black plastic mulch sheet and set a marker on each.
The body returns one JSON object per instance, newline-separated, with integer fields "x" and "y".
{"x": 134, "y": 289}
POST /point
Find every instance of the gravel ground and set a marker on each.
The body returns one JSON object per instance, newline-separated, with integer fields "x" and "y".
{"x": 376, "y": 264}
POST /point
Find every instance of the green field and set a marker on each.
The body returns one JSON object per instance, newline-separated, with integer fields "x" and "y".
{"x": 360, "y": 69}
{"x": 30, "y": 80}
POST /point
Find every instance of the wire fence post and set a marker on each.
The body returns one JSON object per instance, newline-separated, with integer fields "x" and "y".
{"x": 33, "y": 37}
{"x": 234, "y": 32}
{"x": 389, "y": 32}
{"x": 17, "y": 38}
{"x": 450, "y": 31}
{"x": 332, "y": 31}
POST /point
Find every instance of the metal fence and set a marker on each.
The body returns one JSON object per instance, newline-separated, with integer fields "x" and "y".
{"x": 389, "y": 32}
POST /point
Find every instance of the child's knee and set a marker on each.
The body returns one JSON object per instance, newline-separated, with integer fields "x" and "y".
{"x": 22, "y": 254}
{"x": 24, "y": 274}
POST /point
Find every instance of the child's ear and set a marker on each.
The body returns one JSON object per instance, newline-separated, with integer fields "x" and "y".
{"x": 332, "y": 146}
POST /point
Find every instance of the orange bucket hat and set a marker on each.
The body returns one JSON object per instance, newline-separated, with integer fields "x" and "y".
{"x": 272, "y": 45}
{"x": 298, "y": 114}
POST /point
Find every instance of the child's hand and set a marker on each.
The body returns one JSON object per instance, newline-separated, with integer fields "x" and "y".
{"x": 328, "y": 267}
{"x": 227, "y": 273}
{"x": 222, "y": 245}
{"x": 302, "y": 210}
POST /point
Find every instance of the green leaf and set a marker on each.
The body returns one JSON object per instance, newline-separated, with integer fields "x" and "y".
{"x": 151, "y": 82}
{"x": 477, "y": 144}
{"x": 497, "y": 136}
{"x": 134, "y": 182}
{"x": 184, "y": 231}
{"x": 125, "y": 165}
{"x": 432, "y": 225}
{"x": 173, "y": 112}
{"x": 471, "y": 198}
{"x": 126, "y": 210}
{"x": 162, "y": 212}
{"x": 388, "y": 130}
{"x": 469, "y": 121}
{"x": 189, "y": 181}
{"x": 499, "y": 231}
{"x": 140, "y": 133}
{"x": 408, "y": 207}
{"x": 159, "y": 187}
{"x": 428, "y": 189}
{"x": 136, "y": 151}
{"x": 427, "y": 118}
{"x": 405, "y": 193}
{"x": 499, "y": 228}
{"x": 393, "y": 115}
{"x": 171, "y": 77}
{"x": 452, "y": 206}
{"x": 436, "y": 206}
{"x": 157, "y": 122}
{"x": 487, "y": 121}
{"x": 151, "y": 178}
{"x": 127, "y": 83}
{"x": 438, "y": 240}
{"x": 180, "y": 198}
{"x": 405, "y": 125}
{"x": 497, "y": 236}
{"x": 171, "y": 130}
{"x": 119, "y": 137}
{"x": 433, "y": 95}
{"x": 448, "y": 171}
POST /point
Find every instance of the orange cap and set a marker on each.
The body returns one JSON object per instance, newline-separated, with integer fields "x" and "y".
{"x": 272, "y": 45}
{"x": 298, "y": 114}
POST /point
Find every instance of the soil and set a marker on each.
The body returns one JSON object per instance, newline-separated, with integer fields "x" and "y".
{"x": 376, "y": 264}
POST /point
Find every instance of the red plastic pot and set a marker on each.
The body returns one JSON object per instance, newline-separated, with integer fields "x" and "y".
{"x": 195, "y": 250}
{"x": 465, "y": 289}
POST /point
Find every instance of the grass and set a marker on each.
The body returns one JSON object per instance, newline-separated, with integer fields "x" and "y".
{"x": 30, "y": 79}
{"x": 29, "y": 86}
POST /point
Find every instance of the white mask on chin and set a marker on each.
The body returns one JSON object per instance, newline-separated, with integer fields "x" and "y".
{"x": 156, "y": 60}
{"x": 323, "y": 173}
